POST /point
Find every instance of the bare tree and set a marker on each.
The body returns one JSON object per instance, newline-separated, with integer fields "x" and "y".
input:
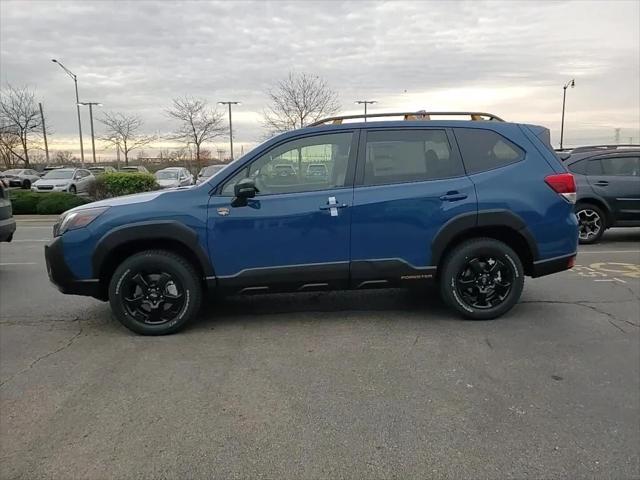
{"x": 198, "y": 123}
{"x": 65, "y": 157}
{"x": 298, "y": 100}
{"x": 19, "y": 121}
{"x": 123, "y": 132}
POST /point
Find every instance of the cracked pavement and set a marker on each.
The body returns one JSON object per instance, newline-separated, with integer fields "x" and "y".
{"x": 373, "y": 384}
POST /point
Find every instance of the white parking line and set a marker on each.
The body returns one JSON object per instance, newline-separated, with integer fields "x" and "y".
{"x": 17, "y": 263}
{"x": 28, "y": 240}
{"x": 608, "y": 251}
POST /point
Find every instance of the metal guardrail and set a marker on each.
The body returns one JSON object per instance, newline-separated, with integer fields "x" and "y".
{"x": 409, "y": 116}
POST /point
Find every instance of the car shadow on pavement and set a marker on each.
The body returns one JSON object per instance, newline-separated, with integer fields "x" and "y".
{"x": 227, "y": 309}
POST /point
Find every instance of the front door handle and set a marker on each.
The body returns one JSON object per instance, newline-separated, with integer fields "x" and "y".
{"x": 328, "y": 207}
{"x": 453, "y": 196}
{"x": 602, "y": 183}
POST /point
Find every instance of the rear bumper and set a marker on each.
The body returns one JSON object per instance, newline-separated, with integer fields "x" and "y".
{"x": 7, "y": 227}
{"x": 62, "y": 277}
{"x": 553, "y": 265}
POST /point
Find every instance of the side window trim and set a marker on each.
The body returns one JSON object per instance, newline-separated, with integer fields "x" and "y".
{"x": 351, "y": 162}
{"x": 362, "y": 154}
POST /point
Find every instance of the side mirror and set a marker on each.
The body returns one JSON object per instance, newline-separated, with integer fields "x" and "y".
{"x": 245, "y": 188}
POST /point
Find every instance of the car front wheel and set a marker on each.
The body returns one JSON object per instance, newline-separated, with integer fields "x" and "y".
{"x": 72, "y": 189}
{"x": 155, "y": 292}
{"x": 482, "y": 278}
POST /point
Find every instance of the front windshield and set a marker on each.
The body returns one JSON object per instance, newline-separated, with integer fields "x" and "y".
{"x": 167, "y": 175}
{"x": 59, "y": 175}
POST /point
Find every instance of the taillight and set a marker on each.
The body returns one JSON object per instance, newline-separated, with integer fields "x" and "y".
{"x": 563, "y": 184}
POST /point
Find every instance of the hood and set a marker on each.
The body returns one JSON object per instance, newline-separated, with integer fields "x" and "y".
{"x": 124, "y": 200}
{"x": 55, "y": 183}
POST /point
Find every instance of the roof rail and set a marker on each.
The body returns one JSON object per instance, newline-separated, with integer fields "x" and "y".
{"x": 603, "y": 147}
{"x": 420, "y": 115}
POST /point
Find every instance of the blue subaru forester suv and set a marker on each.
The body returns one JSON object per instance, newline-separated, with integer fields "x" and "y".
{"x": 474, "y": 205}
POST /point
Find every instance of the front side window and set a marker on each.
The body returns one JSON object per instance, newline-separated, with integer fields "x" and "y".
{"x": 621, "y": 166}
{"x": 484, "y": 150}
{"x": 293, "y": 167}
{"x": 395, "y": 156}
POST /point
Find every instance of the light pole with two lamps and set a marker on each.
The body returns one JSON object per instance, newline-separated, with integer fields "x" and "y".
{"x": 365, "y": 103}
{"x": 230, "y": 126}
{"x": 93, "y": 139}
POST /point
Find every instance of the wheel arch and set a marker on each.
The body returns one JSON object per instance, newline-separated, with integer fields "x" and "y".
{"x": 122, "y": 242}
{"x": 501, "y": 225}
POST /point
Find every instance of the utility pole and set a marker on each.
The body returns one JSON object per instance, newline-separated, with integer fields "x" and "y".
{"x": 617, "y": 136}
{"x": 230, "y": 126}
{"x": 365, "y": 103}
{"x": 75, "y": 81}
{"x": 44, "y": 133}
{"x": 93, "y": 138}
{"x": 571, "y": 83}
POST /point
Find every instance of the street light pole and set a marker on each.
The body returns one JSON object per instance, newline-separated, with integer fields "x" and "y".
{"x": 365, "y": 103}
{"x": 230, "y": 126}
{"x": 75, "y": 81}
{"x": 44, "y": 133}
{"x": 93, "y": 138}
{"x": 571, "y": 83}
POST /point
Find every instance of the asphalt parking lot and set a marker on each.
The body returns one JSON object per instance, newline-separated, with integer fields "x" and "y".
{"x": 376, "y": 384}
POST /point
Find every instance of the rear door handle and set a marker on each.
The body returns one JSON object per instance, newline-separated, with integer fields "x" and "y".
{"x": 453, "y": 197}
{"x": 602, "y": 183}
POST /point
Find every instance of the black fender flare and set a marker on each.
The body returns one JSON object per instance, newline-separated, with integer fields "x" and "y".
{"x": 152, "y": 230}
{"x": 481, "y": 219}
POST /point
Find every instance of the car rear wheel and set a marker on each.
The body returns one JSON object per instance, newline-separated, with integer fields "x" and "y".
{"x": 591, "y": 223}
{"x": 482, "y": 279}
{"x": 155, "y": 292}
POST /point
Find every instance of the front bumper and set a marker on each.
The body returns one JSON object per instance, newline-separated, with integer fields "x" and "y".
{"x": 62, "y": 277}
{"x": 62, "y": 188}
{"x": 553, "y": 265}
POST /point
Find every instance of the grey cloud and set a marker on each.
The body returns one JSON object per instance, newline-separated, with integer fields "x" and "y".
{"x": 136, "y": 56}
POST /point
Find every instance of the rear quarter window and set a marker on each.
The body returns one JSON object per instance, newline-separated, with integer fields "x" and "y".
{"x": 484, "y": 150}
{"x": 579, "y": 167}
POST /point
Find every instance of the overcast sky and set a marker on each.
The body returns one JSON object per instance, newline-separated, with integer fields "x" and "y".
{"x": 508, "y": 58}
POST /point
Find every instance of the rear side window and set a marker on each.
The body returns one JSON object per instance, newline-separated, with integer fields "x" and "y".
{"x": 594, "y": 167}
{"x": 394, "y": 156}
{"x": 622, "y": 166}
{"x": 484, "y": 150}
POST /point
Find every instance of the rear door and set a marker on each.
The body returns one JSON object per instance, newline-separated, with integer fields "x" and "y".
{"x": 409, "y": 183}
{"x": 617, "y": 180}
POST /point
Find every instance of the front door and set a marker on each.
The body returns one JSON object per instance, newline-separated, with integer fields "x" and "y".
{"x": 409, "y": 183}
{"x": 294, "y": 234}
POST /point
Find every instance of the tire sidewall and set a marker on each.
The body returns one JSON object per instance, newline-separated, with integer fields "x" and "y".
{"x": 73, "y": 190}
{"x": 153, "y": 261}
{"x": 460, "y": 256}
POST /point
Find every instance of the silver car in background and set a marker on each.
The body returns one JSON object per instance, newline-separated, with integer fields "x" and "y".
{"x": 72, "y": 180}
{"x": 174, "y": 177}
{"x": 20, "y": 177}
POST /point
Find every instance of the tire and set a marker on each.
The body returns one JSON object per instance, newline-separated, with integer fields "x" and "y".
{"x": 481, "y": 279}
{"x": 158, "y": 285}
{"x": 592, "y": 223}
{"x": 72, "y": 189}
{"x": 26, "y": 185}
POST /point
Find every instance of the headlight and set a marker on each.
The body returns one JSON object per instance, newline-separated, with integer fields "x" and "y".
{"x": 80, "y": 218}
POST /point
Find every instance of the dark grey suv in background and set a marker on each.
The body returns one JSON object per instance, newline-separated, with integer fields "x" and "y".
{"x": 608, "y": 184}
